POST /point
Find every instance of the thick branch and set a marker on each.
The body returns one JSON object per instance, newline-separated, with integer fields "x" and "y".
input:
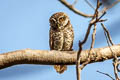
{"x": 29, "y": 56}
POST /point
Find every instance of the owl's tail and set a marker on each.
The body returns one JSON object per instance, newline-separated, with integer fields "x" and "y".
{"x": 60, "y": 68}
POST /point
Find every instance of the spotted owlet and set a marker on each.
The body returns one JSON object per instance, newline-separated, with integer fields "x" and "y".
{"x": 61, "y": 35}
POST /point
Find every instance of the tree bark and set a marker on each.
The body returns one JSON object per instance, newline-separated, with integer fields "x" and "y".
{"x": 45, "y": 57}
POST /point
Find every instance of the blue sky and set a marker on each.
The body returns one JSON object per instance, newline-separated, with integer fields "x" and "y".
{"x": 25, "y": 24}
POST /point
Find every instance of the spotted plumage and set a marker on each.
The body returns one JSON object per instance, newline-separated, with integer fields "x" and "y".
{"x": 61, "y": 35}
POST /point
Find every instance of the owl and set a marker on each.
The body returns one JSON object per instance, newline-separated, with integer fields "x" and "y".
{"x": 61, "y": 35}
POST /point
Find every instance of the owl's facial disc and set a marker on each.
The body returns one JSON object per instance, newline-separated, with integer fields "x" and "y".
{"x": 53, "y": 23}
{"x": 62, "y": 22}
{"x": 59, "y": 22}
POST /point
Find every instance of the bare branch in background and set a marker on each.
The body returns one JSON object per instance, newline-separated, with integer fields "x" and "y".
{"x": 75, "y": 2}
{"x": 106, "y": 75}
{"x": 110, "y": 6}
{"x": 71, "y": 7}
{"x": 90, "y": 4}
{"x": 93, "y": 37}
{"x": 107, "y": 33}
{"x": 90, "y": 51}
{"x": 94, "y": 21}
{"x": 115, "y": 64}
{"x": 115, "y": 60}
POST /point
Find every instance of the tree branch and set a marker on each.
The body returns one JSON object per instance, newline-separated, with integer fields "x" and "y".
{"x": 106, "y": 75}
{"x": 71, "y": 7}
{"x": 29, "y": 56}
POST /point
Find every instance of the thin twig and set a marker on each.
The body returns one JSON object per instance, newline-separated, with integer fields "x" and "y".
{"x": 87, "y": 34}
{"x": 90, "y": 51}
{"x": 110, "y": 39}
{"x": 92, "y": 22}
{"x": 75, "y": 2}
{"x": 106, "y": 75}
{"x": 115, "y": 71}
{"x": 96, "y": 18}
{"x": 115, "y": 60}
{"x": 108, "y": 7}
{"x": 79, "y": 69}
{"x": 96, "y": 10}
{"x": 93, "y": 37}
{"x": 71, "y": 7}
{"x": 89, "y": 4}
{"x": 118, "y": 65}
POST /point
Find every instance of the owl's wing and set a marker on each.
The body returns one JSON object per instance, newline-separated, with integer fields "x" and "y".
{"x": 50, "y": 39}
{"x": 72, "y": 40}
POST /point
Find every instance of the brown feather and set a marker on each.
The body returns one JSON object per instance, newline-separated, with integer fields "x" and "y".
{"x": 61, "y": 36}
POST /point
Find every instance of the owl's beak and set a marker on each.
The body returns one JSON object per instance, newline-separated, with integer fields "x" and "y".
{"x": 58, "y": 26}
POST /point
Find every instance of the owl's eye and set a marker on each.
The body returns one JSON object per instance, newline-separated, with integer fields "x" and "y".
{"x": 52, "y": 22}
{"x": 61, "y": 19}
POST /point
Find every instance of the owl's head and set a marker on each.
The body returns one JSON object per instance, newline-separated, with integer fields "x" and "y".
{"x": 59, "y": 20}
